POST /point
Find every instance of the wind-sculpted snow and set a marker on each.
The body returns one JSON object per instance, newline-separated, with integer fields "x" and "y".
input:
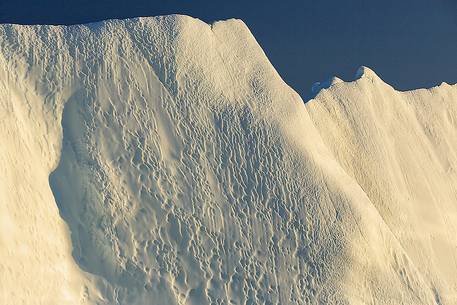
{"x": 187, "y": 172}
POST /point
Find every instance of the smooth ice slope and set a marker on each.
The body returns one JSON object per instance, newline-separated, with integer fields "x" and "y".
{"x": 401, "y": 148}
{"x": 187, "y": 172}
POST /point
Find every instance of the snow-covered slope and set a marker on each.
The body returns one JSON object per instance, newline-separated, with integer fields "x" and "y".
{"x": 164, "y": 161}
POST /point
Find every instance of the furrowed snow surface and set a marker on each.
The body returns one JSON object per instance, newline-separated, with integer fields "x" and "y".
{"x": 164, "y": 161}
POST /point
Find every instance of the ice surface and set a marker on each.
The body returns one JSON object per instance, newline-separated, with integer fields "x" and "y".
{"x": 164, "y": 161}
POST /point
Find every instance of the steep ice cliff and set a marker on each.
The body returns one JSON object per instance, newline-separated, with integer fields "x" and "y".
{"x": 164, "y": 161}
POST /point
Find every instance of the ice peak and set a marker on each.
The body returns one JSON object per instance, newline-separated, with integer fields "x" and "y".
{"x": 318, "y": 86}
{"x": 365, "y": 72}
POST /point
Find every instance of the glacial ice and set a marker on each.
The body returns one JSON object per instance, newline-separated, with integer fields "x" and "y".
{"x": 164, "y": 161}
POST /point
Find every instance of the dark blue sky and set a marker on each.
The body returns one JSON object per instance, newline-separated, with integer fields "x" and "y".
{"x": 409, "y": 43}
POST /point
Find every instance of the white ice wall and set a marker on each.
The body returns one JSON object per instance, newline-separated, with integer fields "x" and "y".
{"x": 401, "y": 148}
{"x": 36, "y": 266}
{"x": 188, "y": 172}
